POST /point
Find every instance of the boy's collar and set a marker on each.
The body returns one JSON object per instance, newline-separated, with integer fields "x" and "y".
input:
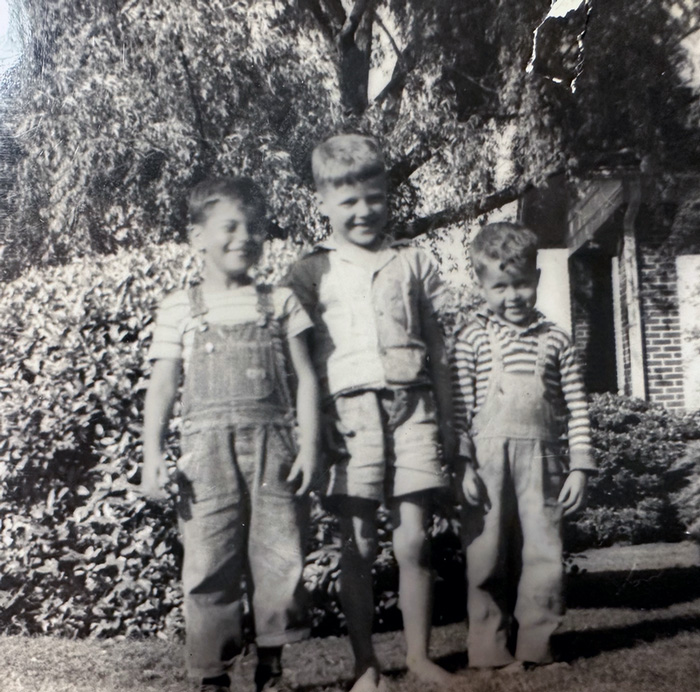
{"x": 330, "y": 243}
{"x": 488, "y": 315}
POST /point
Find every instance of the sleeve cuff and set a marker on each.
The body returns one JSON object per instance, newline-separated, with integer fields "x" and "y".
{"x": 465, "y": 449}
{"x": 582, "y": 460}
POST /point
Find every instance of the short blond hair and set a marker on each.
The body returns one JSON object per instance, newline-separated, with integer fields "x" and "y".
{"x": 346, "y": 159}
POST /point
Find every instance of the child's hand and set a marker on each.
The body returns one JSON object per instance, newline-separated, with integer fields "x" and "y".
{"x": 573, "y": 494}
{"x": 154, "y": 478}
{"x": 474, "y": 490}
{"x": 303, "y": 470}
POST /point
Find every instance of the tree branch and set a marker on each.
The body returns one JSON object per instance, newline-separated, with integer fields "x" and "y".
{"x": 354, "y": 45}
{"x": 198, "y": 114}
{"x": 329, "y": 15}
{"x": 450, "y": 217}
{"x": 405, "y": 167}
{"x": 405, "y": 62}
{"x": 352, "y": 22}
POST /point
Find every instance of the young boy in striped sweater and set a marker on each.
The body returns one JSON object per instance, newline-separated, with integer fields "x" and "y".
{"x": 518, "y": 394}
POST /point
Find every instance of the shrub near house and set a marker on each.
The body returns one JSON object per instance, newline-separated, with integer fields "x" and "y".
{"x": 83, "y": 556}
{"x": 79, "y": 556}
{"x": 639, "y": 447}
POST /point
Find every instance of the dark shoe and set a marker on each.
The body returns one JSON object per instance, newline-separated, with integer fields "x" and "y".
{"x": 221, "y": 683}
{"x": 269, "y": 679}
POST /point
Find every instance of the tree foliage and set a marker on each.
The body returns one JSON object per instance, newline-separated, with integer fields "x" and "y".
{"x": 120, "y": 105}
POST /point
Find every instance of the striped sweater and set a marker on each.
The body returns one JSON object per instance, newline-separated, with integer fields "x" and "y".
{"x": 471, "y": 363}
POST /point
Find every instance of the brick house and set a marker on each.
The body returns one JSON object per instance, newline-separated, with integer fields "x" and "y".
{"x": 630, "y": 298}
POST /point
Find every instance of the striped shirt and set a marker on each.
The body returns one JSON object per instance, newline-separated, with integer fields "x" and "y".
{"x": 471, "y": 364}
{"x": 175, "y": 327}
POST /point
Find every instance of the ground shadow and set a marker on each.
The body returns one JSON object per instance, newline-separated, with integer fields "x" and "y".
{"x": 639, "y": 589}
{"x": 645, "y": 589}
{"x": 569, "y": 646}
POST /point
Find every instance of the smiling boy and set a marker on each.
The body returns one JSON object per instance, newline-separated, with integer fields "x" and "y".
{"x": 379, "y": 355}
{"x": 518, "y": 392}
{"x": 242, "y": 482}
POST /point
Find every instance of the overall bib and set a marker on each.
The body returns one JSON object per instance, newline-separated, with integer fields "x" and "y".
{"x": 516, "y": 436}
{"x": 238, "y": 515}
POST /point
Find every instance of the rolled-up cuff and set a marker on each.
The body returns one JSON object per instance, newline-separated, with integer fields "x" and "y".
{"x": 582, "y": 460}
{"x": 290, "y": 636}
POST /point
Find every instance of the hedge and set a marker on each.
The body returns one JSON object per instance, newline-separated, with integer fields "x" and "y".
{"x": 83, "y": 555}
{"x": 638, "y": 446}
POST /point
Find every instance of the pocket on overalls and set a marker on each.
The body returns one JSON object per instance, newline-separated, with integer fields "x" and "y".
{"x": 206, "y": 466}
{"x": 280, "y": 450}
{"x": 252, "y": 371}
{"x": 553, "y": 473}
{"x": 395, "y": 297}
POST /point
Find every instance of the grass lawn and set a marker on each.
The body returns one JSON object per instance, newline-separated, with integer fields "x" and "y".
{"x": 633, "y": 626}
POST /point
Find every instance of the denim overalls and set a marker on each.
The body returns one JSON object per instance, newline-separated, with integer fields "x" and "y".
{"x": 238, "y": 516}
{"x": 516, "y": 436}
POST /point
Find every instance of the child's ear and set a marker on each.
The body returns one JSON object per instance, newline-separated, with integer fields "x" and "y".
{"x": 538, "y": 273}
{"x": 319, "y": 202}
{"x": 195, "y": 234}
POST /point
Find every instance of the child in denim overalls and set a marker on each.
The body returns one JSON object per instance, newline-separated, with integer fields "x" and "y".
{"x": 242, "y": 486}
{"x": 518, "y": 387}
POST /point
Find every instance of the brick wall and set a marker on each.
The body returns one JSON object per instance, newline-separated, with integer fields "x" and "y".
{"x": 660, "y": 318}
{"x": 662, "y": 233}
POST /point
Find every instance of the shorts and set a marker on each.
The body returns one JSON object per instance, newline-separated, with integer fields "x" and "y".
{"x": 385, "y": 444}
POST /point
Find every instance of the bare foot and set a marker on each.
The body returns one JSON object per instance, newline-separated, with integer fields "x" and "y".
{"x": 370, "y": 681}
{"x": 428, "y": 672}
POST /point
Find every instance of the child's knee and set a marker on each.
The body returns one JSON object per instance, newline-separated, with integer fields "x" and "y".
{"x": 359, "y": 532}
{"x": 361, "y": 547}
{"x": 411, "y": 546}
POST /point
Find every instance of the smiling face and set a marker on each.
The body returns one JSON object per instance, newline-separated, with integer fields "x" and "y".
{"x": 511, "y": 292}
{"x": 228, "y": 241}
{"x": 357, "y": 211}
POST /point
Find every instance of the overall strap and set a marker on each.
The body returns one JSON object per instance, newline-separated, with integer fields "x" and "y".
{"x": 541, "y": 352}
{"x": 198, "y": 308}
{"x": 266, "y": 309}
{"x": 496, "y": 352}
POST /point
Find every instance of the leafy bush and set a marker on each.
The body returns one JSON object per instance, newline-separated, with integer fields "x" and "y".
{"x": 322, "y": 573}
{"x": 687, "y": 499}
{"x": 81, "y": 555}
{"x": 637, "y": 445}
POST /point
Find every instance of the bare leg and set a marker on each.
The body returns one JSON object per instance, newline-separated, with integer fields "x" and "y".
{"x": 359, "y": 529}
{"x": 411, "y": 548}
